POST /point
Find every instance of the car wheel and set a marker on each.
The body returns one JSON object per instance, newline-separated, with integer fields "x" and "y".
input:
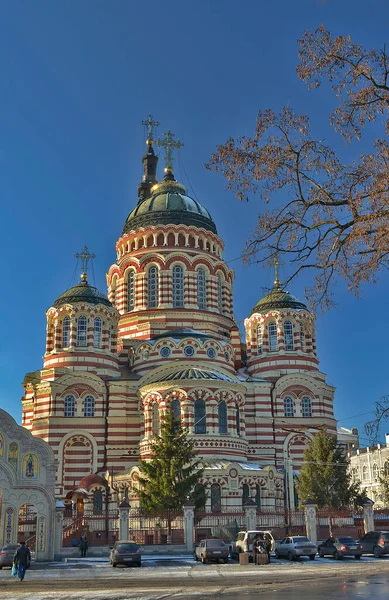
{"x": 376, "y": 552}
{"x": 114, "y": 564}
{"x": 290, "y": 556}
{"x": 337, "y": 556}
{"x": 203, "y": 559}
{"x": 321, "y": 553}
{"x": 312, "y": 556}
{"x": 358, "y": 556}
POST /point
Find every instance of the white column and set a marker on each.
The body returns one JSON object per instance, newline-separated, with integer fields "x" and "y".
{"x": 58, "y": 533}
{"x": 310, "y": 519}
{"x": 189, "y": 525}
{"x": 124, "y": 511}
{"x": 250, "y": 510}
{"x": 368, "y": 516}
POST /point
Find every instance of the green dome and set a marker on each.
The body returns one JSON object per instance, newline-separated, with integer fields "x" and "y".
{"x": 277, "y": 299}
{"x": 82, "y": 292}
{"x": 169, "y": 205}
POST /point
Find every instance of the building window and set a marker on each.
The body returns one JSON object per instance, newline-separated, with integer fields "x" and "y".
{"x": 259, "y": 339}
{"x": 306, "y": 407}
{"x": 237, "y": 420}
{"x": 386, "y": 468}
{"x": 258, "y": 496}
{"x": 216, "y": 504}
{"x": 245, "y": 493}
{"x": 89, "y": 406}
{"x": 288, "y": 335}
{"x": 200, "y": 425}
{"x": 222, "y": 417}
{"x": 220, "y": 294}
{"x": 131, "y": 290}
{"x": 97, "y": 502}
{"x": 66, "y": 332}
{"x": 176, "y": 412}
{"x": 364, "y": 473}
{"x": 82, "y": 332}
{"x": 98, "y": 328}
{"x": 165, "y": 352}
{"x": 211, "y": 353}
{"x": 302, "y": 338}
{"x": 201, "y": 289}
{"x": 178, "y": 287}
{"x": 375, "y": 471}
{"x": 200, "y": 496}
{"x": 272, "y": 337}
{"x": 152, "y": 287}
{"x": 155, "y": 419}
{"x": 288, "y": 407}
{"x": 189, "y": 351}
{"x": 69, "y": 406}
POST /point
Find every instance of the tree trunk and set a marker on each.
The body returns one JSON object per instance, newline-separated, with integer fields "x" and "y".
{"x": 330, "y": 525}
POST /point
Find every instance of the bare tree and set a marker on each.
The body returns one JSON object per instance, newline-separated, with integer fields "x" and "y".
{"x": 372, "y": 428}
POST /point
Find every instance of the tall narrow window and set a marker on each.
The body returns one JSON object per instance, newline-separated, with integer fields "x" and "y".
{"x": 375, "y": 471}
{"x": 216, "y": 503}
{"x": 259, "y": 339}
{"x": 302, "y": 338}
{"x": 82, "y": 332}
{"x": 288, "y": 406}
{"x": 306, "y": 407}
{"x": 200, "y": 496}
{"x": 176, "y": 411}
{"x": 201, "y": 289}
{"x": 97, "y": 502}
{"x": 365, "y": 474}
{"x": 245, "y": 493}
{"x": 237, "y": 420}
{"x": 222, "y": 417}
{"x": 152, "y": 287}
{"x": 258, "y": 496}
{"x": 272, "y": 337}
{"x": 66, "y": 332}
{"x": 69, "y": 406}
{"x": 155, "y": 419}
{"x": 199, "y": 415}
{"x": 131, "y": 290}
{"x": 97, "y": 332}
{"x": 288, "y": 335}
{"x": 178, "y": 286}
{"x": 220, "y": 294}
{"x": 89, "y": 406}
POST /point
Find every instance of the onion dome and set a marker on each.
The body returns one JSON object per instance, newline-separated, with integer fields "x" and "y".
{"x": 90, "y": 480}
{"x": 278, "y": 299}
{"x": 82, "y": 292}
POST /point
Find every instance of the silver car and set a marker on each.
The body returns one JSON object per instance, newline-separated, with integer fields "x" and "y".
{"x": 296, "y": 546}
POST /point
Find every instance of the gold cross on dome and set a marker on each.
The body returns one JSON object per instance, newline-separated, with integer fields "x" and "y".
{"x": 149, "y": 123}
{"x": 168, "y": 144}
{"x": 85, "y": 256}
{"x": 276, "y": 262}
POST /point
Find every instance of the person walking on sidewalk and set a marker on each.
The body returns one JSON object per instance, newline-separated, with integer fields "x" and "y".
{"x": 22, "y": 560}
{"x": 83, "y": 545}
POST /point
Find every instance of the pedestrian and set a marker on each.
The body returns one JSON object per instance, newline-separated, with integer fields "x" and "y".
{"x": 257, "y": 547}
{"x": 267, "y": 545}
{"x": 83, "y": 545}
{"x": 22, "y": 560}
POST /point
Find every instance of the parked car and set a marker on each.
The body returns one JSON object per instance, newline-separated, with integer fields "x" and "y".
{"x": 6, "y": 555}
{"x": 375, "y": 542}
{"x": 125, "y": 553}
{"x": 244, "y": 540}
{"x": 339, "y": 547}
{"x": 295, "y": 547}
{"x": 213, "y": 549}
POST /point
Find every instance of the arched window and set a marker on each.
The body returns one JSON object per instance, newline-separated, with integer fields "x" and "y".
{"x": 98, "y": 328}
{"x": 220, "y": 294}
{"x": 178, "y": 286}
{"x": 131, "y": 290}
{"x": 288, "y": 335}
{"x": 258, "y": 496}
{"x": 82, "y": 332}
{"x": 237, "y": 420}
{"x": 302, "y": 338}
{"x": 97, "y": 502}
{"x": 306, "y": 407}
{"x": 288, "y": 406}
{"x": 200, "y": 496}
{"x": 89, "y": 406}
{"x": 216, "y": 501}
{"x": 386, "y": 468}
{"x": 201, "y": 289}
{"x": 199, "y": 416}
{"x": 152, "y": 287}
{"x": 272, "y": 329}
{"x": 222, "y": 417}
{"x": 259, "y": 339}
{"x": 176, "y": 411}
{"x": 66, "y": 332}
{"x": 245, "y": 493}
{"x": 364, "y": 473}
{"x": 69, "y": 406}
{"x": 155, "y": 419}
{"x": 375, "y": 471}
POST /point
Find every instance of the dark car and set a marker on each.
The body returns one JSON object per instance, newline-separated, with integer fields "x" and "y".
{"x": 375, "y": 542}
{"x": 125, "y": 553}
{"x": 339, "y": 547}
{"x": 6, "y": 555}
{"x": 213, "y": 549}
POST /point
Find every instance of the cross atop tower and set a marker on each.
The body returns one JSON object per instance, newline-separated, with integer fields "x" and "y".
{"x": 150, "y": 124}
{"x": 168, "y": 144}
{"x": 276, "y": 264}
{"x": 85, "y": 256}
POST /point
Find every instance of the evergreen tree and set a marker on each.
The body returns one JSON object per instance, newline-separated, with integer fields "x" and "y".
{"x": 169, "y": 478}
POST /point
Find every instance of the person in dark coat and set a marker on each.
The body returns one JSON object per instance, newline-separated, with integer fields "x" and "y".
{"x": 83, "y": 545}
{"x": 267, "y": 545}
{"x": 257, "y": 547}
{"x": 22, "y": 560}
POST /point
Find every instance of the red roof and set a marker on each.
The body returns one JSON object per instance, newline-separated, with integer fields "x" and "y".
{"x": 91, "y": 480}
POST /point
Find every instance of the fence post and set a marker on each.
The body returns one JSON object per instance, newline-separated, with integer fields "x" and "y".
{"x": 58, "y": 533}
{"x": 124, "y": 511}
{"x": 368, "y": 515}
{"x": 310, "y": 519}
{"x": 188, "y": 524}
{"x": 250, "y": 511}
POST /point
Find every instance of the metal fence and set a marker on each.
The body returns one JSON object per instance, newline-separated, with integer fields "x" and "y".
{"x": 164, "y": 528}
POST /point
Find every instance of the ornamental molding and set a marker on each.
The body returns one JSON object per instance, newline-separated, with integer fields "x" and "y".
{"x": 12, "y": 432}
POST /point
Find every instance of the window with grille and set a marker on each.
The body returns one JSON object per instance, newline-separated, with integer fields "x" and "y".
{"x": 288, "y": 335}
{"x": 237, "y": 420}
{"x": 69, "y": 406}
{"x": 199, "y": 416}
{"x": 89, "y": 406}
{"x": 201, "y": 289}
{"x": 220, "y": 294}
{"x": 178, "y": 286}
{"x": 288, "y": 407}
{"x": 155, "y": 419}
{"x": 82, "y": 332}
{"x": 216, "y": 504}
{"x": 245, "y": 493}
{"x": 176, "y": 411}
{"x": 152, "y": 287}
{"x": 302, "y": 338}
{"x": 98, "y": 328}
{"x": 259, "y": 339}
{"x": 272, "y": 329}
{"x": 222, "y": 417}
{"x": 97, "y": 502}
{"x": 200, "y": 496}
{"x": 131, "y": 291}
{"x": 306, "y": 407}
{"x": 66, "y": 332}
{"x": 258, "y": 495}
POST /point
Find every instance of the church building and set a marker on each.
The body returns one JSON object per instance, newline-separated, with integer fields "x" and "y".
{"x": 166, "y": 337}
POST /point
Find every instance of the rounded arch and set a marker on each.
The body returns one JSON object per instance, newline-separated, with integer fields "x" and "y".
{"x": 76, "y": 434}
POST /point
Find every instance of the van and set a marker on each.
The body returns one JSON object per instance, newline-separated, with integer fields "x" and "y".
{"x": 244, "y": 540}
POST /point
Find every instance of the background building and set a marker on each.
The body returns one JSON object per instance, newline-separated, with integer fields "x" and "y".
{"x": 367, "y": 465}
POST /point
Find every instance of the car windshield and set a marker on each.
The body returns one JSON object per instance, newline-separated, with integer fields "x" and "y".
{"x": 301, "y": 539}
{"x": 251, "y": 536}
{"x": 346, "y": 540}
{"x": 215, "y": 543}
{"x": 127, "y": 547}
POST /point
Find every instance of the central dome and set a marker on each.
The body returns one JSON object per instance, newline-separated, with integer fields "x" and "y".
{"x": 82, "y": 292}
{"x": 169, "y": 205}
{"x": 278, "y": 299}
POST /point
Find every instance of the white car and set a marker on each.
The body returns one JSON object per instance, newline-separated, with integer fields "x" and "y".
{"x": 244, "y": 540}
{"x": 295, "y": 546}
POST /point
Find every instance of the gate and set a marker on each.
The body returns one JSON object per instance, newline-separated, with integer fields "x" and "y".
{"x": 100, "y": 529}
{"x": 343, "y": 523}
{"x": 154, "y": 530}
{"x": 224, "y": 525}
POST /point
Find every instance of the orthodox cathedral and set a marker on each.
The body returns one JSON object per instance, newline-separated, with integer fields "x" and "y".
{"x": 166, "y": 338}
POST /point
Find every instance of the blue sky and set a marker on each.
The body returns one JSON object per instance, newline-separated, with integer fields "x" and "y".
{"x": 76, "y": 80}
